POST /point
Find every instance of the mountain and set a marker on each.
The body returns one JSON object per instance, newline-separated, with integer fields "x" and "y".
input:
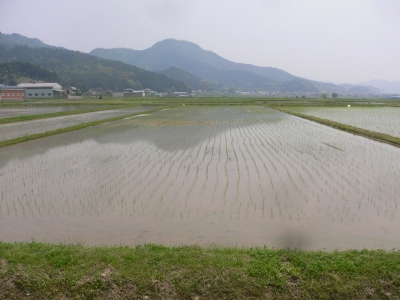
{"x": 17, "y": 72}
{"x": 186, "y": 56}
{"x": 209, "y": 66}
{"x": 195, "y": 82}
{"x": 192, "y": 59}
{"x": 14, "y": 39}
{"x": 87, "y": 71}
{"x": 387, "y": 87}
{"x": 361, "y": 89}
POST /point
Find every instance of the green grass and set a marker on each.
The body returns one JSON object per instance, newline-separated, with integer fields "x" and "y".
{"x": 44, "y": 271}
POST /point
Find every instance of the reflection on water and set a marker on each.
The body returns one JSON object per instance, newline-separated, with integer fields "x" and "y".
{"x": 225, "y": 175}
{"x": 14, "y": 130}
{"x": 8, "y": 112}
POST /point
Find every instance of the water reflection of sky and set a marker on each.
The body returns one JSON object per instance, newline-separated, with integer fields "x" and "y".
{"x": 13, "y": 130}
{"x": 8, "y": 112}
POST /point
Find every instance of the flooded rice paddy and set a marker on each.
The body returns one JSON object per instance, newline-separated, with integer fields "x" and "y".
{"x": 13, "y": 130}
{"x": 239, "y": 176}
{"x": 17, "y": 111}
{"x": 380, "y": 119}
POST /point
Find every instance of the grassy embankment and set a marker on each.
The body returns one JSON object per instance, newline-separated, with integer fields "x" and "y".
{"x": 44, "y": 271}
{"x": 381, "y": 137}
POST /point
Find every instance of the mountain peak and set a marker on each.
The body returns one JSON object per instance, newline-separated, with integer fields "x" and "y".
{"x": 15, "y": 39}
{"x": 191, "y": 58}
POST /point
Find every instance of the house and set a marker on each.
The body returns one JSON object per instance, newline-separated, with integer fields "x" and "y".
{"x": 133, "y": 93}
{"x": 148, "y": 92}
{"x": 42, "y": 90}
{"x": 11, "y": 92}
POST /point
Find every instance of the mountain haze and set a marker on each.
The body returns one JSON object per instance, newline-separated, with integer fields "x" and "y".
{"x": 361, "y": 89}
{"x": 192, "y": 80}
{"x": 206, "y": 65}
{"x": 186, "y": 56}
{"x": 166, "y": 66}
{"x": 384, "y": 85}
{"x": 209, "y": 66}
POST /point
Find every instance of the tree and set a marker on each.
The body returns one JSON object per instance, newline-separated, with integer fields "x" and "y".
{"x": 108, "y": 93}
{"x": 324, "y": 95}
{"x": 335, "y": 95}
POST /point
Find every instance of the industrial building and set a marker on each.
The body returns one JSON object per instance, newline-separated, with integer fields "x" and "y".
{"x": 11, "y": 92}
{"x": 42, "y": 90}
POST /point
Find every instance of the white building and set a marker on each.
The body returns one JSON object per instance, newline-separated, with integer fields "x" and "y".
{"x": 132, "y": 93}
{"x": 180, "y": 94}
{"x": 42, "y": 90}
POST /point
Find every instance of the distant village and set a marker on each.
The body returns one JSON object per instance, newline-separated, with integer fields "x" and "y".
{"x": 55, "y": 90}
{"x": 33, "y": 90}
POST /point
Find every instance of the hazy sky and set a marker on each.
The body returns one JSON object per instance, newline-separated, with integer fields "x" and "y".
{"x": 328, "y": 40}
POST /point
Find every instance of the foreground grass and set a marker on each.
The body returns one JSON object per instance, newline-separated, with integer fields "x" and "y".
{"x": 45, "y": 271}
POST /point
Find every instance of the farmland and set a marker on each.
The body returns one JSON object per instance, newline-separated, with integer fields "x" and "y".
{"x": 379, "y": 119}
{"x": 235, "y": 176}
{"x": 19, "y": 129}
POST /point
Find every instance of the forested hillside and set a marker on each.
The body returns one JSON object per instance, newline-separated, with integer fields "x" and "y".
{"x": 195, "y": 82}
{"x": 16, "y": 72}
{"x": 87, "y": 71}
{"x": 14, "y": 39}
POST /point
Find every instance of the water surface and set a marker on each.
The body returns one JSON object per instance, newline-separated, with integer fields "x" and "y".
{"x": 13, "y": 130}
{"x": 244, "y": 176}
{"x": 380, "y": 119}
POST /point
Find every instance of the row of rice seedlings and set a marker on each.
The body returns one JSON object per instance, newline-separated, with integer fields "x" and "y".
{"x": 202, "y": 178}
{"x": 152, "y": 179}
{"x": 183, "y": 167}
{"x": 274, "y": 159}
{"x": 186, "y": 185}
{"x": 340, "y": 177}
{"x": 310, "y": 176}
{"x": 306, "y": 172}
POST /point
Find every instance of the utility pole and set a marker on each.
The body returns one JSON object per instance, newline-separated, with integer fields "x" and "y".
{"x": 7, "y": 79}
